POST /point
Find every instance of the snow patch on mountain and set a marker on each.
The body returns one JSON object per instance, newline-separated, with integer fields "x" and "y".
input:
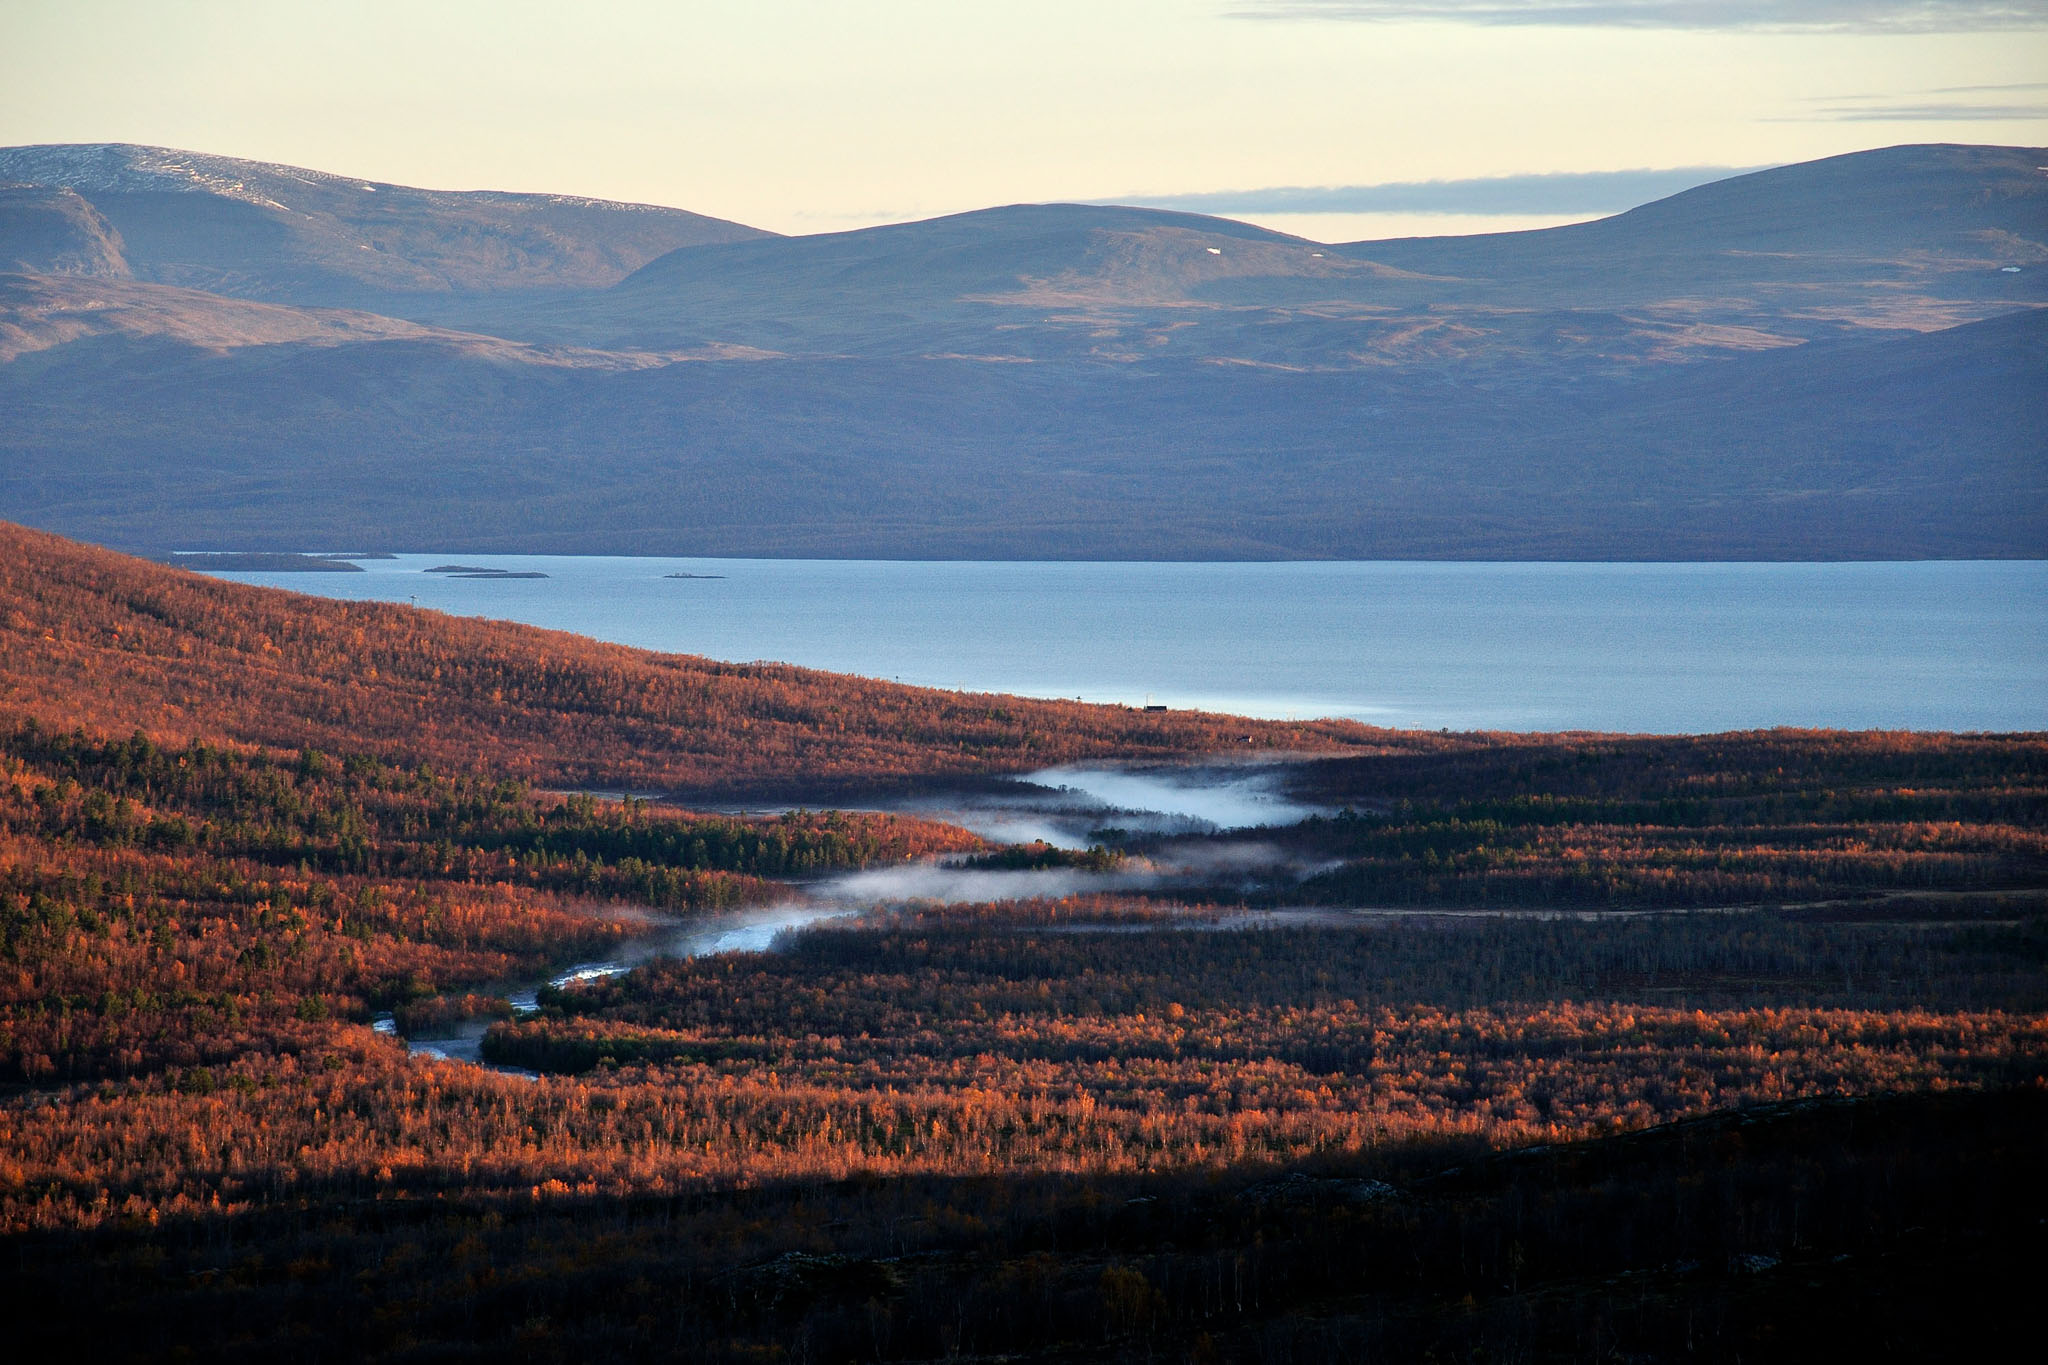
{"x": 122, "y": 168}
{"x": 129, "y": 168}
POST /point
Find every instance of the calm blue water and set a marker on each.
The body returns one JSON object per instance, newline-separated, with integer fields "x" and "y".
{"x": 1637, "y": 647}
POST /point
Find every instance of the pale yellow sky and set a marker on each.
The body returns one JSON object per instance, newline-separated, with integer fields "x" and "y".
{"x": 809, "y": 117}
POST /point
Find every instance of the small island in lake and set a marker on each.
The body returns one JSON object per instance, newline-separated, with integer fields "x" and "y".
{"x": 234, "y": 561}
{"x": 693, "y": 575}
{"x": 474, "y": 571}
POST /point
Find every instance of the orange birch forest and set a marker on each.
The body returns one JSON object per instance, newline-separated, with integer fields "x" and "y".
{"x": 1778, "y": 996}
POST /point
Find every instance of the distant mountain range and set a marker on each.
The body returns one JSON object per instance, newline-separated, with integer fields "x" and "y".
{"x": 1845, "y": 358}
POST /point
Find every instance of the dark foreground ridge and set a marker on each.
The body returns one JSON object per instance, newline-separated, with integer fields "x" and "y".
{"x": 1895, "y": 1229}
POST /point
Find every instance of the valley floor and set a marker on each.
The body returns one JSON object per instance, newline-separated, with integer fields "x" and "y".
{"x": 1050, "y": 1126}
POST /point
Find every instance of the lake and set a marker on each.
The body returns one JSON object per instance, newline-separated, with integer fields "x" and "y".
{"x": 1672, "y": 648}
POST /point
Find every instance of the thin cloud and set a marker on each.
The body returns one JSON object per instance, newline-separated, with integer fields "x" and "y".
{"x": 1914, "y": 106}
{"x": 1841, "y": 16}
{"x": 1926, "y": 113}
{"x": 1987, "y": 89}
{"x": 1561, "y": 193}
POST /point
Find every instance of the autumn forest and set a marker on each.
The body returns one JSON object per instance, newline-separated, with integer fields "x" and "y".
{"x": 1529, "y": 1048}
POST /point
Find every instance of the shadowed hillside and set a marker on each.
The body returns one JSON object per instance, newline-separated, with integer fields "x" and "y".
{"x": 132, "y": 324}
{"x": 1885, "y": 445}
{"x": 48, "y": 231}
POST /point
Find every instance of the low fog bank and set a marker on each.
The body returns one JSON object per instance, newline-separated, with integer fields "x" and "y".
{"x": 1189, "y": 864}
{"x": 1213, "y": 798}
{"x": 1074, "y": 807}
{"x": 1166, "y": 828}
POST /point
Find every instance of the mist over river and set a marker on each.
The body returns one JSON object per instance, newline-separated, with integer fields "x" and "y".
{"x": 1668, "y": 648}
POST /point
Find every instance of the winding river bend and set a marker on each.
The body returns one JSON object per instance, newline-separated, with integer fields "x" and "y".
{"x": 739, "y": 932}
{"x": 1230, "y": 803}
{"x": 1061, "y": 806}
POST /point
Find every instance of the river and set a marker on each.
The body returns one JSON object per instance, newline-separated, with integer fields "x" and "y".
{"x": 1058, "y": 805}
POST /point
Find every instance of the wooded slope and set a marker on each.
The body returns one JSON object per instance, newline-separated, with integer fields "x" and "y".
{"x": 93, "y": 638}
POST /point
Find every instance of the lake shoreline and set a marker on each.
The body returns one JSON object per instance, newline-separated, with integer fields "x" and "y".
{"x": 1474, "y": 647}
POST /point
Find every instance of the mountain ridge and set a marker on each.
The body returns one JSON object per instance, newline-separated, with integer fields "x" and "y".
{"x": 289, "y": 234}
{"x": 1082, "y": 381}
{"x": 131, "y": 167}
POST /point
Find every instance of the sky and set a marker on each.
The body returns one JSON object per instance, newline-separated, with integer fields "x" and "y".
{"x": 1336, "y": 119}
